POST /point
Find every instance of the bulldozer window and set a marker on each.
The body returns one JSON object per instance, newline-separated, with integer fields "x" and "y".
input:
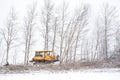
{"x": 48, "y": 53}
{"x": 38, "y": 54}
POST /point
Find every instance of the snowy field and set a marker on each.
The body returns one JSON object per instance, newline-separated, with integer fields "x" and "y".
{"x": 95, "y": 74}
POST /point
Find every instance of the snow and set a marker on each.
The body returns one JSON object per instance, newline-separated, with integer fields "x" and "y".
{"x": 89, "y": 74}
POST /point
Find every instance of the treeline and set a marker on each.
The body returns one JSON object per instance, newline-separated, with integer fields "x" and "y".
{"x": 68, "y": 33}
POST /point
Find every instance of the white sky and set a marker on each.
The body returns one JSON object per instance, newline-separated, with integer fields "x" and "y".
{"x": 21, "y": 5}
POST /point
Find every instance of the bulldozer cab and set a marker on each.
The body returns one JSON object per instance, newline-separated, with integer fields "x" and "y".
{"x": 43, "y": 53}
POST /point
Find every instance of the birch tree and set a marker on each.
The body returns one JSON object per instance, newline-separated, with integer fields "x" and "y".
{"x": 46, "y": 16}
{"x": 108, "y": 20}
{"x": 28, "y": 30}
{"x": 117, "y": 38}
{"x": 82, "y": 18}
{"x": 55, "y": 29}
{"x": 9, "y": 32}
{"x": 63, "y": 29}
{"x": 98, "y": 40}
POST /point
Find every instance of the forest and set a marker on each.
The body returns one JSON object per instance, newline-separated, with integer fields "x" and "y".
{"x": 78, "y": 36}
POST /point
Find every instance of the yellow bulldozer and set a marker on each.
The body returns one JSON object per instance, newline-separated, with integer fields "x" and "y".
{"x": 45, "y": 56}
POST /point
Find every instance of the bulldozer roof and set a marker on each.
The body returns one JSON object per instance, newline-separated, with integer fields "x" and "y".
{"x": 43, "y": 51}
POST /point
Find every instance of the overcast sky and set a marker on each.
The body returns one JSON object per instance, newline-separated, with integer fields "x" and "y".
{"x": 21, "y": 5}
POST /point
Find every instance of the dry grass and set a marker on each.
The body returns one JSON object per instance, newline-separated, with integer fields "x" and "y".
{"x": 69, "y": 66}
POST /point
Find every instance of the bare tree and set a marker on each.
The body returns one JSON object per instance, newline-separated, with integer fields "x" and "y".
{"x": 29, "y": 25}
{"x": 9, "y": 32}
{"x": 63, "y": 29}
{"x": 107, "y": 26}
{"x": 47, "y": 12}
{"x": 1, "y": 51}
{"x": 98, "y": 40}
{"x": 117, "y": 37}
{"x": 82, "y": 18}
{"x": 55, "y": 30}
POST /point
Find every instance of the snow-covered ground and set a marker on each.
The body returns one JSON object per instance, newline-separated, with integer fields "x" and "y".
{"x": 89, "y": 74}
